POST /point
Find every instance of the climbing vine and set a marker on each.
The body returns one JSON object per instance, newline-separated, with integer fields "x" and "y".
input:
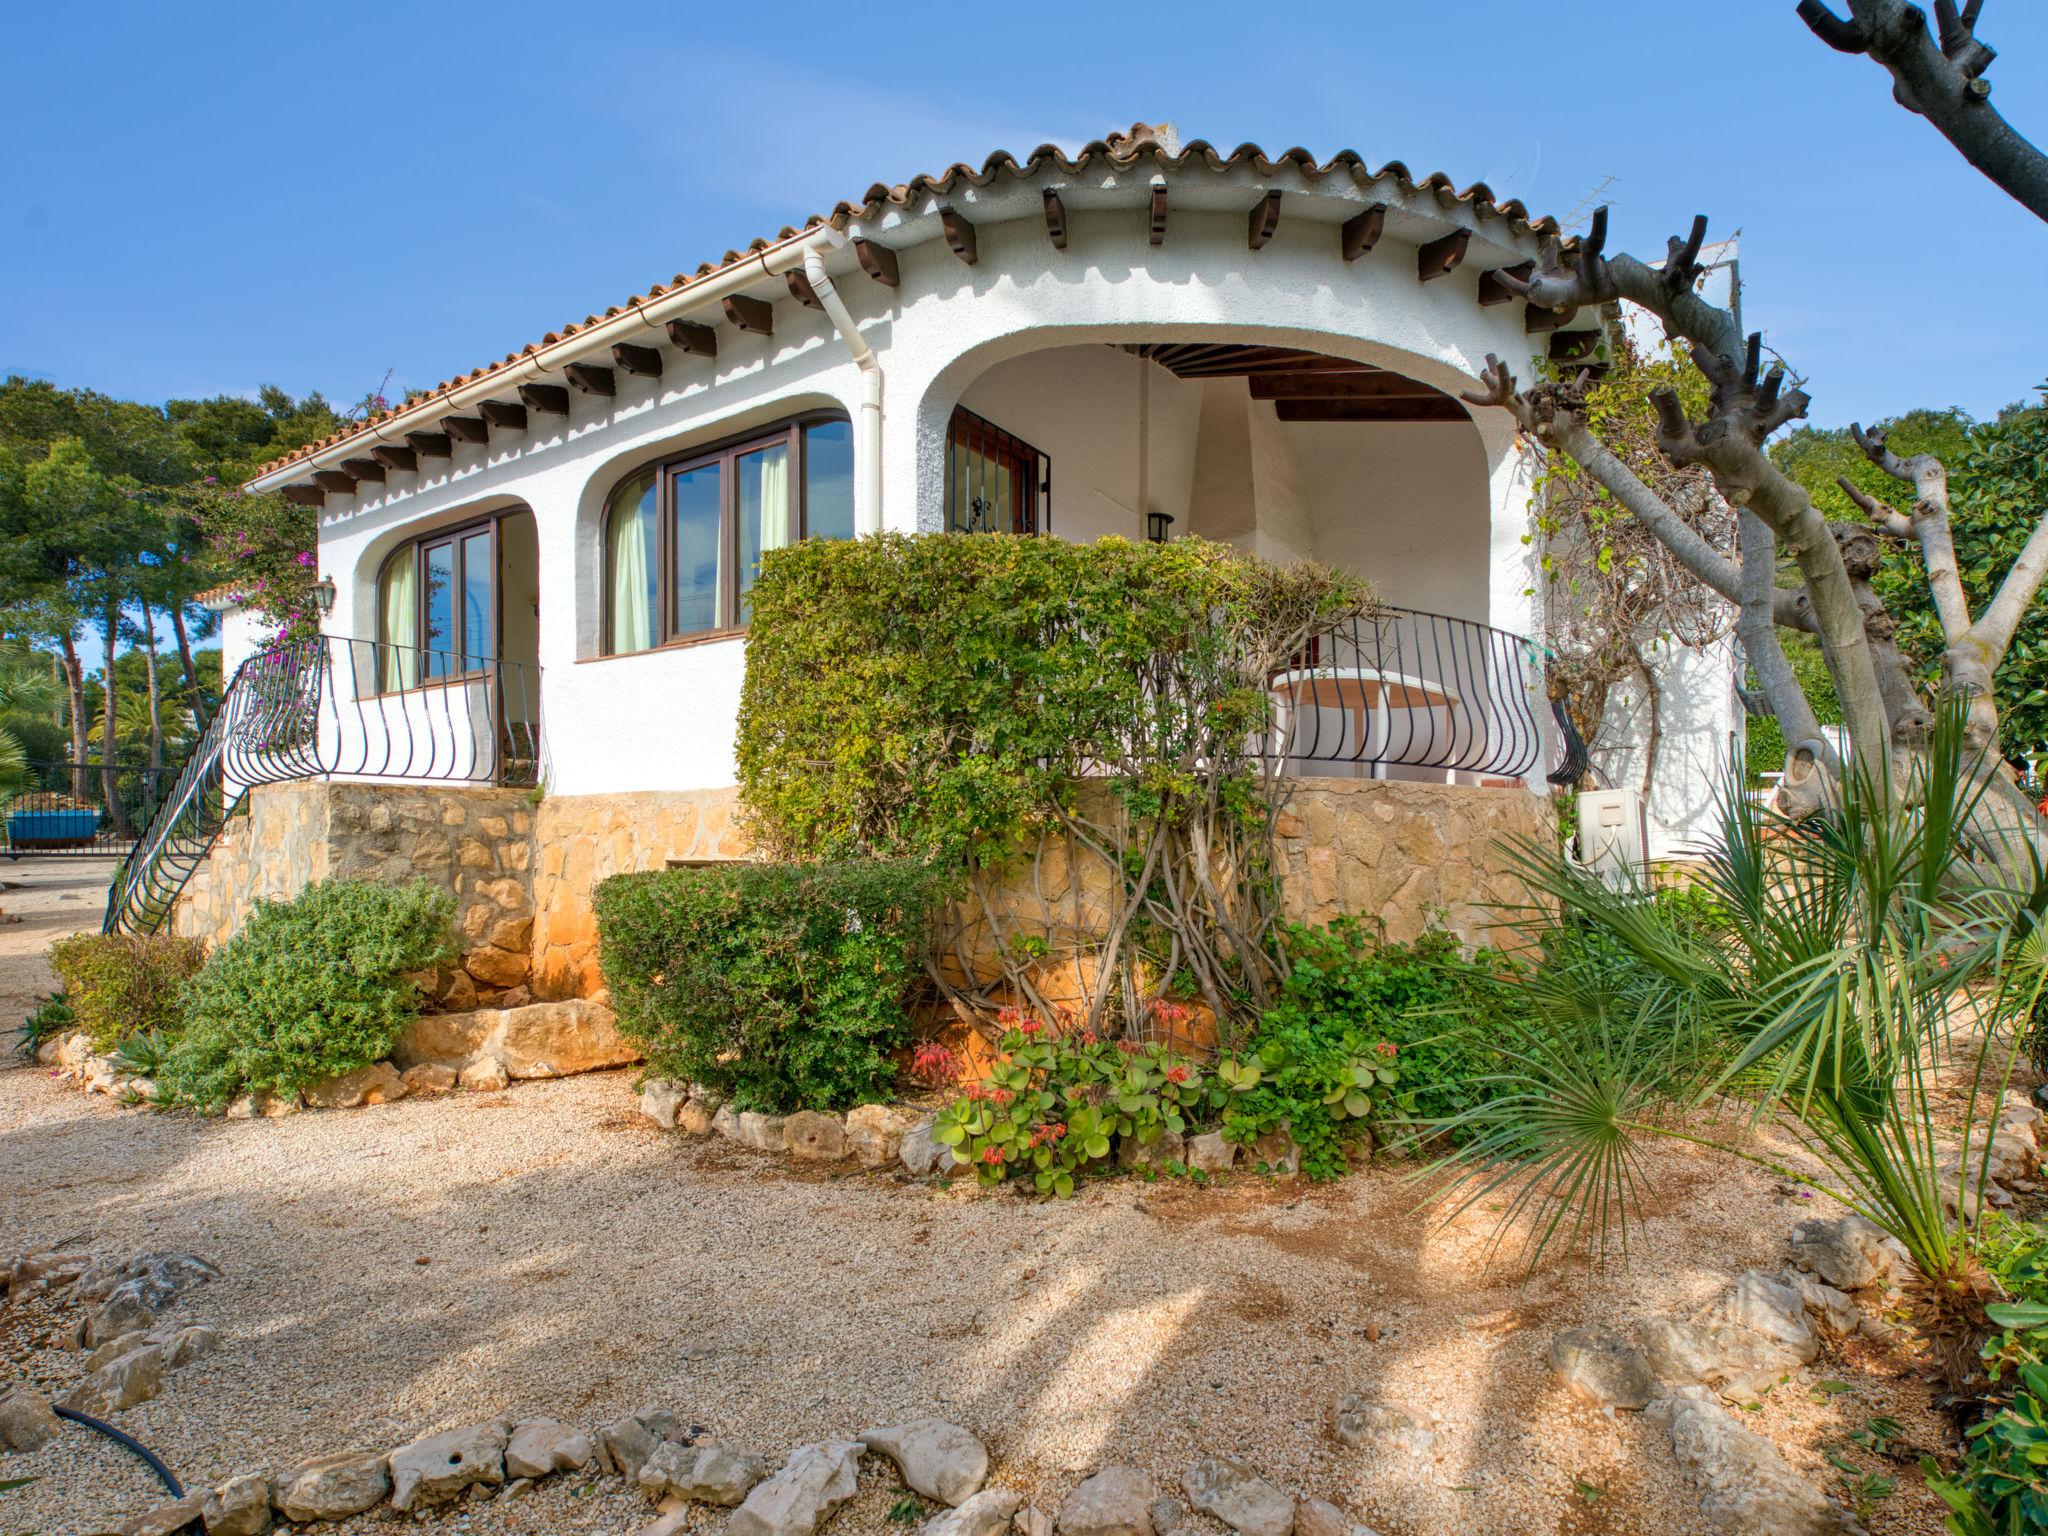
{"x": 1072, "y": 729}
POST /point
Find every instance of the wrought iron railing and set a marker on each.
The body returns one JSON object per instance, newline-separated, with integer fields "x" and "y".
{"x": 331, "y": 707}
{"x": 1410, "y": 695}
{"x": 81, "y": 810}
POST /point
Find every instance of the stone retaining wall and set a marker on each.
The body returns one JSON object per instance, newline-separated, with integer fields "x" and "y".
{"x": 1405, "y": 854}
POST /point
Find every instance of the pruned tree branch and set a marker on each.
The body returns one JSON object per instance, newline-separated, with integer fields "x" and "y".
{"x": 2022, "y": 584}
{"x": 1940, "y": 76}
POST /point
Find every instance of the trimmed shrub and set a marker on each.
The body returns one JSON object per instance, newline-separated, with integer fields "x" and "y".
{"x": 119, "y": 984}
{"x": 310, "y": 988}
{"x": 780, "y": 985}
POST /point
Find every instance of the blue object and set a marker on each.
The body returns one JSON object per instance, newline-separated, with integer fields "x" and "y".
{"x": 52, "y": 829}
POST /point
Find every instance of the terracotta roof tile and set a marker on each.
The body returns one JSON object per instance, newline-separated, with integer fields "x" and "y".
{"x": 1120, "y": 151}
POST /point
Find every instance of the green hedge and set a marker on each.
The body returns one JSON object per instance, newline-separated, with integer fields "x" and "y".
{"x": 780, "y": 985}
{"x": 118, "y": 985}
{"x": 310, "y": 988}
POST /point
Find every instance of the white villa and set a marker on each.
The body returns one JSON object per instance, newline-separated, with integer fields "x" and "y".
{"x": 539, "y": 569}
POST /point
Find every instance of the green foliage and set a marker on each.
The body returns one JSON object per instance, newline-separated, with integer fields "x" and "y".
{"x": 1763, "y": 738}
{"x": 117, "y": 985}
{"x": 932, "y": 696}
{"x": 309, "y": 989}
{"x": 1391, "y": 1035}
{"x": 781, "y": 985}
{"x": 1055, "y": 1106}
{"x": 51, "y": 1017}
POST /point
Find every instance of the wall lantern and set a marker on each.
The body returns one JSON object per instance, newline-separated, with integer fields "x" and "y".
{"x": 323, "y": 595}
{"x": 1156, "y": 524}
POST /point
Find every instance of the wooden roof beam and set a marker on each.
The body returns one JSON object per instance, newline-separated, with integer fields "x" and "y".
{"x": 1339, "y": 386}
{"x": 395, "y": 458}
{"x": 801, "y": 290}
{"x": 305, "y": 495}
{"x": 643, "y": 362}
{"x": 364, "y": 469}
{"x": 548, "y": 399}
{"x": 878, "y": 261}
{"x": 468, "y": 429}
{"x": 697, "y": 340}
{"x": 1362, "y": 231}
{"x": 1157, "y": 234}
{"x": 754, "y": 315}
{"x": 1493, "y": 291}
{"x": 1439, "y": 258}
{"x": 959, "y": 235}
{"x": 591, "y": 378}
{"x": 1265, "y": 218}
{"x": 502, "y": 413}
{"x": 1536, "y": 319}
{"x": 1055, "y": 220}
{"x": 334, "y": 480}
{"x": 431, "y": 445}
{"x": 1442, "y": 409}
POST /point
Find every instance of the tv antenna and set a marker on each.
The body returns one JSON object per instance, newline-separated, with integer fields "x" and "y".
{"x": 1583, "y": 213}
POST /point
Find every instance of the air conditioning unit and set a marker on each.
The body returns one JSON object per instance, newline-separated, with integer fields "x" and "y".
{"x": 1614, "y": 838}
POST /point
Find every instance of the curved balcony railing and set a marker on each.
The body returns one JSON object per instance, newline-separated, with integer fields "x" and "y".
{"x": 1403, "y": 694}
{"x": 331, "y": 707}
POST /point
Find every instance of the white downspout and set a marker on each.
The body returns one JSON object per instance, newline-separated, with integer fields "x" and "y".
{"x": 868, "y": 440}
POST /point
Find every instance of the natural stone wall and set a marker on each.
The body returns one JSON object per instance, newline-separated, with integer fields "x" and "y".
{"x": 584, "y": 838}
{"x": 1406, "y": 854}
{"x": 475, "y": 841}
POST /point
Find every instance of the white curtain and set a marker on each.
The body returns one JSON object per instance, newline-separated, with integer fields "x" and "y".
{"x": 398, "y": 621}
{"x": 774, "y": 492}
{"x": 630, "y": 561}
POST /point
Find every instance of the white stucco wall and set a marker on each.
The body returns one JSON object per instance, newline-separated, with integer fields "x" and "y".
{"x": 1699, "y": 713}
{"x": 664, "y": 720}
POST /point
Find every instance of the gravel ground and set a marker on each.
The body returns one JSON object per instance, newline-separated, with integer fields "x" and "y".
{"x": 401, "y": 1269}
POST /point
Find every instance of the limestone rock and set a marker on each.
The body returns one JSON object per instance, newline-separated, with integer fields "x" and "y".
{"x": 726, "y": 1122}
{"x": 238, "y": 1507}
{"x": 115, "y": 1348}
{"x": 553, "y": 1039}
{"x": 189, "y": 1344}
{"x": 1031, "y": 1521}
{"x": 1736, "y": 1362}
{"x": 428, "y": 1077}
{"x": 1210, "y": 1153}
{"x": 875, "y": 1133}
{"x": 436, "y": 1469}
{"x": 334, "y": 1487}
{"x": 624, "y": 1445}
{"x": 1169, "y": 1148}
{"x": 1773, "y": 1309}
{"x": 27, "y": 1421}
{"x": 167, "y": 1519}
{"x": 710, "y": 1474}
{"x": 660, "y": 1100}
{"x": 378, "y": 1083}
{"x": 1746, "y": 1489}
{"x": 764, "y": 1133}
{"x": 1603, "y": 1368}
{"x": 154, "y": 1279}
{"x": 1362, "y": 1422}
{"x": 541, "y": 1446}
{"x": 1234, "y": 1493}
{"x": 985, "y": 1514}
{"x": 484, "y": 1075}
{"x": 496, "y": 967}
{"x": 814, "y": 1482}
{"x": 939, "y": 1460}
{"x": 121, "y": 1313}
{"x": 1117, "y": 1501}
{"x": 1317, "y": 1517}
{"x": 135, "y": 1378}
{"x": 1274, "y": 1152}
{"x": 1840, "y": 1252}
{"x": 695, "y": 1117}
{"x": 921, "y": 1154}
{"x": 1166, "y": 1514}
{"x": 1831, "y": 1310}
{"x": 815, "y": 1137}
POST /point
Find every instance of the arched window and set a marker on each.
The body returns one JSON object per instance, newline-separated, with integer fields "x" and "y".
{"x": 682, "y": 540}
{"x": 438, "y": 604}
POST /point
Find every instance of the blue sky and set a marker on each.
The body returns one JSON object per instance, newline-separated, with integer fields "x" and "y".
{"x": 205, "y": 199}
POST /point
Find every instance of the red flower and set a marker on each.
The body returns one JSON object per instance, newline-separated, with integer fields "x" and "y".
{"x": 1128, "y": 1047}
{"x": 992, "y": 1156}
{"x": 1031, "y": 1027}
{"x": 1000, "y": 1095}
{"x": 1176, "y": 1074}
{"x": 1388, "y": 1048}
{"x": 975, "y": 1092}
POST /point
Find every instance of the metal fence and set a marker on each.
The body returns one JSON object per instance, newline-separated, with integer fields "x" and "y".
{"x": 1406, "y": 695}
{"x": 80, "y": 810}
{"x": 331, "y": 707}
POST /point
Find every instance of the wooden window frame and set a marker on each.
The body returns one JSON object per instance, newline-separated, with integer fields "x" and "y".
{"x": 726, "y": 452}
{"x": 416, "y": 549}
{"x": 1029, "y": 467}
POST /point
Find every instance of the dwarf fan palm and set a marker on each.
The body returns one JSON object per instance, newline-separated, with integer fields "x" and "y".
{"x": 1823, "y": 993}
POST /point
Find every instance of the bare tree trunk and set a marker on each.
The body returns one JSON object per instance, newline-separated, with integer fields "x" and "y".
{"x": 185, "y": 663}
{"x": 74, "y": 686}
{"x": 156, "y": 703}
{"x": 110, "y": 778}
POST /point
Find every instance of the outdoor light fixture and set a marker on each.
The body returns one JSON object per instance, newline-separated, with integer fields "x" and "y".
{"x": 323, "y": 595}
{"x": 1156, "y": 524}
